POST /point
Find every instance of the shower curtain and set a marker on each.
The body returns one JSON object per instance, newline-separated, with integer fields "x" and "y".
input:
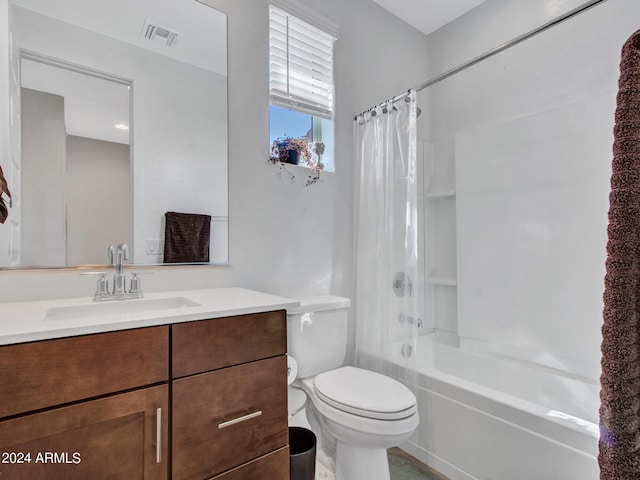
{"x": 619, "y": 456}
{"x": 388, "y": 288}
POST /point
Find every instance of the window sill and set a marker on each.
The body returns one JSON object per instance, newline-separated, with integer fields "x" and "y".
{"x": 299, "y": 166}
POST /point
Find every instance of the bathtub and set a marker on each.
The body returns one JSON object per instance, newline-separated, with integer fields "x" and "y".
{"x": 490, "y": 417}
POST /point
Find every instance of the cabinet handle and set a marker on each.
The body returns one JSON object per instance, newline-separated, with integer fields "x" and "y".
{"x": 244, "y": 418}
{"x": 158, "y": 435}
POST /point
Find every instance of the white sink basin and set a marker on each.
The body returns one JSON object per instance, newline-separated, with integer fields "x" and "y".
{"x": 117, "y": 307}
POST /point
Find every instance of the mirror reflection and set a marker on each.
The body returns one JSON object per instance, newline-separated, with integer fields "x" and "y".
{"x": 76, "y": 160}
{"x": 157, "y": 67}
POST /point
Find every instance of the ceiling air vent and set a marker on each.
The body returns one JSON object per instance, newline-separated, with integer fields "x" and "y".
{"x": 158, "y": 33}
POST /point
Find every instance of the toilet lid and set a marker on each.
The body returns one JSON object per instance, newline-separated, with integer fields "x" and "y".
{"x": 365, "y": 393}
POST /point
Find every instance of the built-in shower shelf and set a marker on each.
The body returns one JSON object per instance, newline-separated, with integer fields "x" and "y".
{"x": 440, "y": 194}
{"x": 446, "y": 281}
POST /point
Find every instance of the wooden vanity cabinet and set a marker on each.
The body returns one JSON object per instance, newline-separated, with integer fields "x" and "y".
{"x": 93, "y": 406}
{"x": 208, "y": 398}
{"x": 229, "y": 398}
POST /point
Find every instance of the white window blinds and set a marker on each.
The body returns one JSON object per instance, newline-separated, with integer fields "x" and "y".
{"x": 301, "y": 65}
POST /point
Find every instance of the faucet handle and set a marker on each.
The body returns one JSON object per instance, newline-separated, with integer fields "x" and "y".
{"x": 102, "y": 287}
{"x": 135, "y": 284}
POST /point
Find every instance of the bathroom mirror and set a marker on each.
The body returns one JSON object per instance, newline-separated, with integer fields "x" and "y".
{"x": 157, "y": 67}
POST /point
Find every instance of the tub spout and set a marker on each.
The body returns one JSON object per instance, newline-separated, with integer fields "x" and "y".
{"x": 406, "y": 319}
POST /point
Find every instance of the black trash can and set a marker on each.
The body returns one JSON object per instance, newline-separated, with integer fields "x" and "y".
{"x": 302, "y": 454}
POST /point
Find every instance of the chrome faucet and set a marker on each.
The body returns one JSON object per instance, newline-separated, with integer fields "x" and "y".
{"x": 117, "y": 257}
{"x": 119, "y": 278}
{"x": 122, "y": 254}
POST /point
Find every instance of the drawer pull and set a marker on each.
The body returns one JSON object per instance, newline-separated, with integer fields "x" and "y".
{"x": 244, "y": 418}
{"x": 158, "y": 435}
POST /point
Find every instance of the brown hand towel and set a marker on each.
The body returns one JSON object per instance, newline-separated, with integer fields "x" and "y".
{"x": 4, "y": 190}
{"x": 186, "y": 237}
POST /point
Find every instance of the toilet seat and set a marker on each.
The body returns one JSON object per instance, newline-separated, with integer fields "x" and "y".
{"x": 365, "y": 393}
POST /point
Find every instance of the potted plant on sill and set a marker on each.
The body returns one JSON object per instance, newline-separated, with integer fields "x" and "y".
{"x": 316, "y": 165}
{"x": 290, "y": 150}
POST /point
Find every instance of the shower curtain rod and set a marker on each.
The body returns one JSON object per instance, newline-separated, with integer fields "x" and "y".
{"x": 500, "y": 48}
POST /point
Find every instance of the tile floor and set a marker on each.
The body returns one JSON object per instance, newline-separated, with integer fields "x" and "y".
{"x": 405, "y": 467}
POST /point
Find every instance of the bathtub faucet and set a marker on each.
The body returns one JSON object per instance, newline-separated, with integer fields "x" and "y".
{"x": 405, "y": 319}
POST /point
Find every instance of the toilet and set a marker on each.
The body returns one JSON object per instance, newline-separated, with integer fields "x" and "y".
{"x": 356, "y": 414}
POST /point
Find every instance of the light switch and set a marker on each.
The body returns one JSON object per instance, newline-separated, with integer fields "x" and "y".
{"x": 154, "y": 246}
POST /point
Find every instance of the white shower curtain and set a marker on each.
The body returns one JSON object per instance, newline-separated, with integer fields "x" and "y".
{"x": 388, "y": 287}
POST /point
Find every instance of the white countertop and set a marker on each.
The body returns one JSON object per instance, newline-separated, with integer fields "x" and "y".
{"x": 29, "y": 321}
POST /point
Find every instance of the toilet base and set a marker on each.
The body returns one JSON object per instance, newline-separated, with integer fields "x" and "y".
{"x": 355, "y": 463}
{"x": 325, "y": 468}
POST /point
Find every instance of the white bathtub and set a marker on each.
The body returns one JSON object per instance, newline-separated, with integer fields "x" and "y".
{"x": 488, "y": 417}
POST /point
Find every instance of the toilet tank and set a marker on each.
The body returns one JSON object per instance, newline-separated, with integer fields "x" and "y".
{"x": 317, "y": 333}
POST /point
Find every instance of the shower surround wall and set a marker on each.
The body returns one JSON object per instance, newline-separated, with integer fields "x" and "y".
{"x": 525, "y": 140}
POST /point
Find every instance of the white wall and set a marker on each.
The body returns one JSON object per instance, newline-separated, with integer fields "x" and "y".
{"x": 490, "y": 24}
{"x": 98, "y": 184}
{"x": 44, "y": 154}
{"x": 286, "y": 238}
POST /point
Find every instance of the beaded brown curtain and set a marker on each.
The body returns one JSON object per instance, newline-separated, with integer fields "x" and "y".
{"x": 619, "y": 456}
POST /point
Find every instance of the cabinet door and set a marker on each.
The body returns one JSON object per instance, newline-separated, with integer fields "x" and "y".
{"x": 274, "y": 466}
{"x": 122, "y": 437}
{"x": 227, "y": 417}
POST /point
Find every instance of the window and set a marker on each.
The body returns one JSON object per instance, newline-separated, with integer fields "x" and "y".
{"x": 301, "y": 91}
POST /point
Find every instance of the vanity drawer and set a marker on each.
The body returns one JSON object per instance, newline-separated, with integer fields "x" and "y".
{"x": 211, "y": 344}
{"x": 274, "y": 466}
{"x": 52, "y": 372}
{"x": 225, "y": 418}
